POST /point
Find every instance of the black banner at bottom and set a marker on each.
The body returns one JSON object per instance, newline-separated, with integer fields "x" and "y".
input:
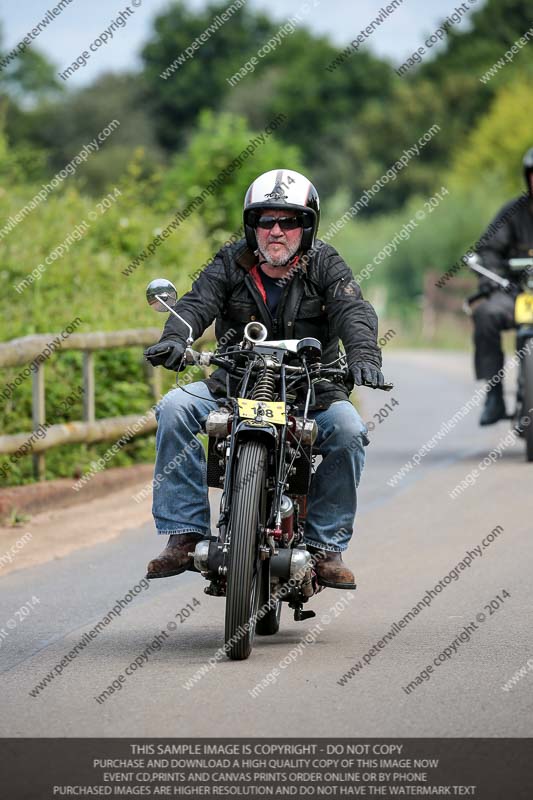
{"x": 485, "y": 769}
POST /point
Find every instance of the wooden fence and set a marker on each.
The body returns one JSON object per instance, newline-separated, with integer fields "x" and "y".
{"x": 446, "y": 304}
{"x": 27, "y": 349}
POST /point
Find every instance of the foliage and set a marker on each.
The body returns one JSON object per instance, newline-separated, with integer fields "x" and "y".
{"x": 62, "y": 128}
{"x": 437, "y": 242}
{"x": 32, "y": 77}
{"x": 344, "y": 127}
{"x": 323, "y": 107}
{"x": 86, "y": 281}
{"x": 201, "y": 81}
{"x": 495, "y": 26}
{"x": 494, "y": 151}
{"x": 218, "y": 140}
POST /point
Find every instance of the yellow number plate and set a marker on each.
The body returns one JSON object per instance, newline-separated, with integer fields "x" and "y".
{"x": 271, "y": 412}
{"x": 523, "y": 311}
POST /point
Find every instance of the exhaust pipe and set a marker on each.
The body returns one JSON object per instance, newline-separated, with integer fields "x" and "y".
{"x": 295, "y": 564}
{"x": 201, "y": 555}
{"x": 300, "y": 570}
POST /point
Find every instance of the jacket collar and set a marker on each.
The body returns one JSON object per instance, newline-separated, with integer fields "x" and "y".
{"x": 245, "y": 258}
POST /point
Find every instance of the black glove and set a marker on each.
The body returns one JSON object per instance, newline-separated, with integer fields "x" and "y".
{"x": 363, "y": 372}
{"x": 168, "y": 353}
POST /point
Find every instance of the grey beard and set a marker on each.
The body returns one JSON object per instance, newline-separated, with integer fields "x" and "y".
{"x": 280, "y": 261}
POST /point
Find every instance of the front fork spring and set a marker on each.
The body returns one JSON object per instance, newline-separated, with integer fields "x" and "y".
{"x": 265, "y": 386}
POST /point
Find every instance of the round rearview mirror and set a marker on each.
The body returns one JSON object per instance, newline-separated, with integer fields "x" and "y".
{"x": 161, "y": 290}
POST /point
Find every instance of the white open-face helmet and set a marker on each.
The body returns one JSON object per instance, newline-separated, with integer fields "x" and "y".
{"x": 282, "y": 189}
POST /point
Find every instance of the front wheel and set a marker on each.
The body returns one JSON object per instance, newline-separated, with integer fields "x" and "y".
{"x": 527, "y": 407}
{"x": 248, "y": 504}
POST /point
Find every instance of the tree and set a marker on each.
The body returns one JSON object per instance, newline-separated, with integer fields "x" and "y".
{"x": 494, "y": 28}
{"x": 292, "y": 78}
{"x": 324, "y": 107}
{"x": 199, "y": 82}
{"x": 219, "y": 139}
{"x": 29, "y": 76}
{"x": 494, "y": 151}
{"x": 64, "y": 127}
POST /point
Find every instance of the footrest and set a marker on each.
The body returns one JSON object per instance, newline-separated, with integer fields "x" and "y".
{"x": 300, "y": 615}
{"x": 329, "y": 585}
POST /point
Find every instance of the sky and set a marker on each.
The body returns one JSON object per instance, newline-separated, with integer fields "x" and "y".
{"x": 81, "y": 22}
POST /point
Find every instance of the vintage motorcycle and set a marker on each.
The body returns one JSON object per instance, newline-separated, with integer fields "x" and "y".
{"x": 522, "y": 268}
{"x": 260, "y": 452}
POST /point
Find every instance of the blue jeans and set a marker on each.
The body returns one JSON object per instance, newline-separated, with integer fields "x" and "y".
{"x": 180, "y": 493}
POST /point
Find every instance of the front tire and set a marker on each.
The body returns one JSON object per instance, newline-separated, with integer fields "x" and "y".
{"x": 527, "y": 418}
{"x": 243, "y": 579}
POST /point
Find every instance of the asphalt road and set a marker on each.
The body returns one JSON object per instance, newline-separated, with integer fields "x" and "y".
{"x": 407, "y": 539}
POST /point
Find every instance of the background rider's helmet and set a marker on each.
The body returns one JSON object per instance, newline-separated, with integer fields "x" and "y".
{"x": 282, "y": 189}
{"x": 528, "y": 168}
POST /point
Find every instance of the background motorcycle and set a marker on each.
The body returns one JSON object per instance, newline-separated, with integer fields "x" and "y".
{"x": 260, "y": 452}
{"x": 522, "y": 268}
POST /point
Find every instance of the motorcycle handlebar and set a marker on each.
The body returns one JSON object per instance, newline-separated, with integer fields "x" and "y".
{"x": 194, "y": 357}
{"x": 520, "y": 264}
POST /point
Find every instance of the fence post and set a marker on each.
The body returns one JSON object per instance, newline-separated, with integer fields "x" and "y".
{"x": 88, "y": 386}
{"x": 38, "y": 418}
{"x": 154, "y": 376}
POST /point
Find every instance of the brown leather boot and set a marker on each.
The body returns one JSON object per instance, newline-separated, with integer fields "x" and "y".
{"x": 330, "y": 569}
{"x": 174, "y": 559}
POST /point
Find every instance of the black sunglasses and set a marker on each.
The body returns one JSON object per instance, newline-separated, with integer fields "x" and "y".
{"x": 285, "y": 223}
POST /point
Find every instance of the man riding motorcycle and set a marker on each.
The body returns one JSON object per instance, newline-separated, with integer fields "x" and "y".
{"x": 513, "y": 238}
{"x": 296, "y": 286}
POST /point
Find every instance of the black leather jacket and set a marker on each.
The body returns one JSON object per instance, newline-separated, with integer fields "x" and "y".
{"x": 320, "y": 299}
{"x": 509, "y": 235}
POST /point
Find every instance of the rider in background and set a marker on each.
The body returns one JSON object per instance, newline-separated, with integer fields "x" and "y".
{"x": 513, "y": 239}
